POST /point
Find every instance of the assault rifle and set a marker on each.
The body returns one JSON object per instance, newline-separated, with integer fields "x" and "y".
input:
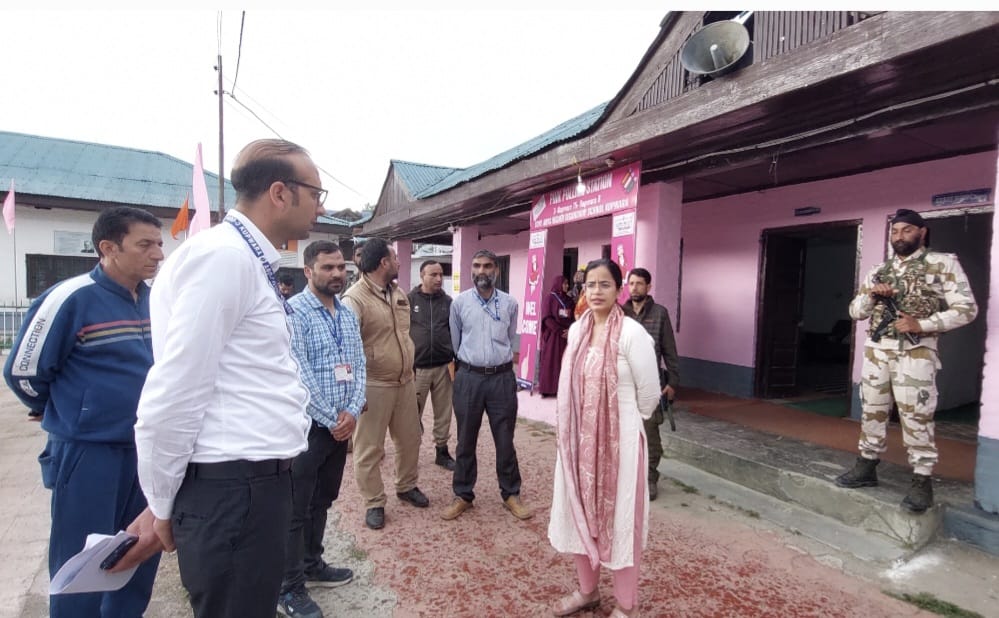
{"x": 891, "y": 315}
{"x": 667, "y": 407}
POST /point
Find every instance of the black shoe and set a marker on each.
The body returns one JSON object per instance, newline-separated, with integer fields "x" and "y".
{"x": 415, "y": 497}
{"x": 375, "y": 518}
{"x": 920, "y": 496}
{"x": 329, "y": 577}
{"x": 863, "y": 474}
{"x": 296, "y": 603}
{"x": 444, "y": 458}
{"x": 653, "y": 490}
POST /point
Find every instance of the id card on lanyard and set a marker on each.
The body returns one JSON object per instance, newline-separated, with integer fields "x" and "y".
{"x": 564, "y": 311}
{"x": 259, "y": 254}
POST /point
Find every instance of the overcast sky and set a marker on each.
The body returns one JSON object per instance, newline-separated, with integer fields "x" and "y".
{"x": 355, "y": 87}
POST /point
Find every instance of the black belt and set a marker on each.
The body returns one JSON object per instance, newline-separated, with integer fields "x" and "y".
{"x": 239, "y": 469}
{"x": 487, "y": 370}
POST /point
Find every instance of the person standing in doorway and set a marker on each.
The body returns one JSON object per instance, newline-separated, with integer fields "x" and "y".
{"x": 484, "y": 337}
{"x": 81, "y": 357}
{"x": 383, "y": 312}
{"x": 655, "y": 319}
{"x": 222, "y": 413}
{"x": 933, "y": 296}
{"x": 556, "y": 318}
{"x": 431, "y": 333}
{"x": 326, "y": 342}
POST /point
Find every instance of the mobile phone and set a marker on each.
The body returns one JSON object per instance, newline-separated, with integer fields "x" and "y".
{"x": 118, "y": 553}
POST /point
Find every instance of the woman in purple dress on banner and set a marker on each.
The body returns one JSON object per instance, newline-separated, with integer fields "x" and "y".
{"x": 556, "y": 318}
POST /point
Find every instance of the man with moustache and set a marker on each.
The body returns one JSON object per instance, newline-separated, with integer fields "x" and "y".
{"x": 81, "y": 357}
{"x": 222, "y": 413}
{"x": 484, "y": 338}
{"x": 326, "y": 342}
{"x": 655, "y": 319}
{"x": 383, "y": 312}
{"x": 933, "y": 296}
{"x": 431, "y": 333}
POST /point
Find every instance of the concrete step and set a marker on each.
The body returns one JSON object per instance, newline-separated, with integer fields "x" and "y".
{"x": 801, "y": 475}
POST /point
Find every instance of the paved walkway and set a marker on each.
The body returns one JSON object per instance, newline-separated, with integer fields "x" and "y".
{"x": 704, "y": 558}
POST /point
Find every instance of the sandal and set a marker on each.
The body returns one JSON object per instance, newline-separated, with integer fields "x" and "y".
{"x": 620, "y": 613}
{"x": 575, "y": 602}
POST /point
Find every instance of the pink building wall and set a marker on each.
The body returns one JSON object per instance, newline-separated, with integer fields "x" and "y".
{"x": 722, "y": 250}
{"x": 721, "y": 255}
{"x": 988, "y": 425}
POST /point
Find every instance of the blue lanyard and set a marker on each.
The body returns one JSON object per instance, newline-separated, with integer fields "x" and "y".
{"x": 485, "y": 305}
{"x": 259, "y": 253}
{"x": 559, "y": 299}
{"x": 334, "y": 324}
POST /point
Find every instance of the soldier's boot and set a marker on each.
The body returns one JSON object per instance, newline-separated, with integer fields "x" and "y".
{"x": 444, "y": 458}
{"x": 863, "y": 474}
{"x": 920, "y": 496}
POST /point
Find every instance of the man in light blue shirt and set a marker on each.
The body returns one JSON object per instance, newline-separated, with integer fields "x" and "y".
{"x": 484, "y": 338}
{"x": 326, "y": 342}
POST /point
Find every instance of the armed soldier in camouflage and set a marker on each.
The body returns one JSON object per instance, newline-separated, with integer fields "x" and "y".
{"x": 900, "y": 358}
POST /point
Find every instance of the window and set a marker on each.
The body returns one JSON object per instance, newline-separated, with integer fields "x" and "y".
{"x": 503, "y": 279}
{"x": 44, "y": 271}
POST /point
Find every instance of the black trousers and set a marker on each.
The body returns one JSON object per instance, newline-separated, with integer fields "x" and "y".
{"x": 316, "y": 475}
{"x": 496, "y": 396}
{"x": 228, "y": 523}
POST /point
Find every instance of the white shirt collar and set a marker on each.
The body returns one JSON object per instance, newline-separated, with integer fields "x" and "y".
{"x": 271, "y": 253}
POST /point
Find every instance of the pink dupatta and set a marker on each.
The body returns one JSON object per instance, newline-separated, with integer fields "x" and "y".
{"x": 588, "y": 435}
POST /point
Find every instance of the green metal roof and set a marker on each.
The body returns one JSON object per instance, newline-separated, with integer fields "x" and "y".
{"x": 99, "y": 172}
{"x": 419, "y": 177}
{"x": 563, "y": 132}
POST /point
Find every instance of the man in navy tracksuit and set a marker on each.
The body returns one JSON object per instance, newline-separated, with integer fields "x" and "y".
{"x": 80, "y": 359}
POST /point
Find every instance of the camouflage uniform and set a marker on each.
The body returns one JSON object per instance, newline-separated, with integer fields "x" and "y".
{"x": 932, "y": 288}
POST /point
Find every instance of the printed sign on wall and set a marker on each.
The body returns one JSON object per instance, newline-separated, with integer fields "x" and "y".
{"x": 623, "y": 246}
{"x": 605, "y": 193}
{"x": 530, "y": 316}
{"x": 72, "y": 243}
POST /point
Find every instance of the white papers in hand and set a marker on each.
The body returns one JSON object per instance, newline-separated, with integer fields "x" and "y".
{"x": 82, "y": 572}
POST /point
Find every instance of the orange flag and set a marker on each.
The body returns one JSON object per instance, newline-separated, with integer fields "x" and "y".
{"x": 181, "y": 222}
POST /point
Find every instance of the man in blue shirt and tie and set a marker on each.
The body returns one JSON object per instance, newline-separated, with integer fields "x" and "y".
{"x": 326, "y": 342}
{"x": 484, "y": 337}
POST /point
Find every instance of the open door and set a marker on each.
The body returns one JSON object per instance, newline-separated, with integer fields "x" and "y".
{"x": 779, "y": 315}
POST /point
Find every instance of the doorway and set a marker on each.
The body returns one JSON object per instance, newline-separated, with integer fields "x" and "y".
{"x": 804, "y": 331}
{"x": 967, "y": 233}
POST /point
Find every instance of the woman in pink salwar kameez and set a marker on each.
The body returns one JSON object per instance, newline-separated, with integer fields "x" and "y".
{"x": 609, "y": 383}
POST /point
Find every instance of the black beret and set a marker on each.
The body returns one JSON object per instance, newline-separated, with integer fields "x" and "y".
{"x": 904, "y": 215}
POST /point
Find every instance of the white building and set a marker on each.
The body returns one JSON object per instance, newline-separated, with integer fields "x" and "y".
{"x": 60, "y": 187}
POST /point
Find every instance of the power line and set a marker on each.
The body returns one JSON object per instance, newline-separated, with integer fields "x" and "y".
{"x": 275, "y": 132}
{"x": 232, "y": 95}
{"x": 254, "y": 114}
{"x": 263, "y": 108}
{"x": 239, "y": 52}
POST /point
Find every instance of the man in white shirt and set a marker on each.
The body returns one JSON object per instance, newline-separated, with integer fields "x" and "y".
{"x": 222, "y": 412}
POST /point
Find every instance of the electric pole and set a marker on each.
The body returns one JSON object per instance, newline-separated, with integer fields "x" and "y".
{"x": 221, "y": 147}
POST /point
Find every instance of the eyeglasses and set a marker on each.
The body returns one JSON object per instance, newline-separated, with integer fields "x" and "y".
{"x": 319, "y": 192}
{"x": 603, "y": 285}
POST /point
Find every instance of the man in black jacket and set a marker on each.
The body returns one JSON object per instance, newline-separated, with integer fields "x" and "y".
{"x": 431, "y": 334}
{"x": 655, "y": 319}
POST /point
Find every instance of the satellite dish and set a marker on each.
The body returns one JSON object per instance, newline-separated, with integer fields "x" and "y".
{"x": 716, "y": 48}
